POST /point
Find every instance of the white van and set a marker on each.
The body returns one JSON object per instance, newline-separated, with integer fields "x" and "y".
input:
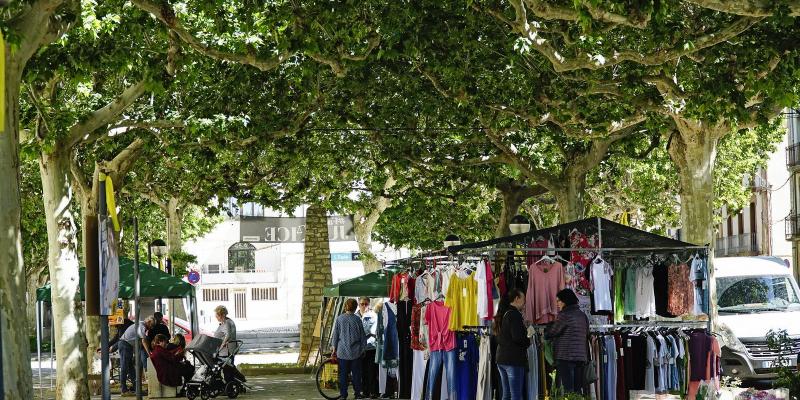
{"x": 754, "y": 295}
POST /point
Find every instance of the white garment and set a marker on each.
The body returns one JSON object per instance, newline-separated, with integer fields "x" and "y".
{"x": 418, "y": 378}
{"x": 382, "y": 372}
{"x": 645, "y": 298}
{"x": 484, "y": 370}
{"x": 601, "y": 281}
{"x": 421, "y": 289}
{"x": 483, "y": 301}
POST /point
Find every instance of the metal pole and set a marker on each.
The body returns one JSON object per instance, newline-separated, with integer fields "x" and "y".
{"x": 172, "y": 313}
{"x": 39, "y": 343}
{"x": 137, "y": 361}
{"x": 104, "y": 358}
{"x": 52, "y": 368}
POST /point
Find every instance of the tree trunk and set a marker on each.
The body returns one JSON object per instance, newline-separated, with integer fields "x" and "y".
{"x": 693, "y": 149}
{"x": 316, "y": 275}
{"x": 363, "y": 230}
{"x": 17, "y": 376}
{"x": 570, "y": 198}
{"x": 70, "y": 344}
{"x": 174, "y": 225}
{"x": 512, "y": 200}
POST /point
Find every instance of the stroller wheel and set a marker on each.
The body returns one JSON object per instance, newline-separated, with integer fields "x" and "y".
{"x": 232, "y": 390}
{"x": 192, "y": 393}
{"x": 207, "y": 393}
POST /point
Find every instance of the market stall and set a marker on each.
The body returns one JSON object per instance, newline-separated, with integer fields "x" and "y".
{"x": 154, "y": 283}
{"x": 646, "y": 297}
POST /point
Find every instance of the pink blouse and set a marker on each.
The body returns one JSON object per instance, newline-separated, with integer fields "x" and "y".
{"x": 544, "y": 281}
{"x": 440, "y": 337}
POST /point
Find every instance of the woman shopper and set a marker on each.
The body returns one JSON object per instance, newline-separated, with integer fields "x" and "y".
{"x": 349, "y": 343}
{"x": 570, "y": 334}
{"x": 512, "y": 344}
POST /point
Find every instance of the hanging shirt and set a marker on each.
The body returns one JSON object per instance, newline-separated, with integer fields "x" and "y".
{"x": 399, "y": 290}
{"x": 650, "y": 368}
{"x": 645, "y": 296}
{"x": 619, "y": 307}
{"x": 699, "y": 276}
{"x": 631, "y": 280}
{"x": 416, "y": 314}
{"x": 544, "y": 281}
{"x": 462, "y": 298}
{"x": 421, "y": 288}
{"x": 437, "y": 317}
{"x": 681, "y": 292}
{"x": 601, "y": 280}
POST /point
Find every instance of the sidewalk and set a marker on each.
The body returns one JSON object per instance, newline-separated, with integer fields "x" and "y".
{"x": 290, "y": 386}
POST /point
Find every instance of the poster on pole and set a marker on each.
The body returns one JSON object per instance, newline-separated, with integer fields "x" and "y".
{"x": 109, "y": 268}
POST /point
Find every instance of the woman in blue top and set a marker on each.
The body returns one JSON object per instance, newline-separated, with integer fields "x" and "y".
{"x": 349, "y": 343}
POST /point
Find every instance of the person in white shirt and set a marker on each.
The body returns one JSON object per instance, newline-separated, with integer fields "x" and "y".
{"x": 225, "y": 331}
{"x": 127, "y": 342}
{"x": 368, "y": 366}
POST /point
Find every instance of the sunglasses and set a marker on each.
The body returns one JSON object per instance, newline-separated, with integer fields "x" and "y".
{"x": 364, "y": 304}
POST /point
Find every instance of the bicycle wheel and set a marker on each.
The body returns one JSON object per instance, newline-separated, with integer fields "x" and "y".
{"x": 328, "y": 379}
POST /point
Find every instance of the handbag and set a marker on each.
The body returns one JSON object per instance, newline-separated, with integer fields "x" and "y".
{"x": 589, "y": 371}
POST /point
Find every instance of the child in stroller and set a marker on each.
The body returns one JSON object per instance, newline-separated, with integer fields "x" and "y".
{"x": 216, "y": 374}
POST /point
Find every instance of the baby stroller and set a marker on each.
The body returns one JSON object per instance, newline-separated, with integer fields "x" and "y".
{"x": 216, "y": 374}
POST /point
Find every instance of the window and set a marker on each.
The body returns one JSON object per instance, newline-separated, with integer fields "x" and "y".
{"x": 242, "y": 257}
{"x": 264, "y": 293}
{"x": 215, "y": 294}
{"x": 745, "y": 294}
{"x": 213, "y": 269}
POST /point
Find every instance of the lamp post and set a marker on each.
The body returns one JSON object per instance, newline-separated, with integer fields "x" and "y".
{"x": 519, "y": 224}
{"x": 158, "y": 248}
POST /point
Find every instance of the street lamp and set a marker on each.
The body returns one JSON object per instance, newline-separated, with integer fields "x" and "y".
{"x": 158, "y": 248}
{"x": 519, "y": 224}
{"x": 451, "y": 240}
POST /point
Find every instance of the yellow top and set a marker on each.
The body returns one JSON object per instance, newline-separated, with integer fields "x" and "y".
{"x": 462, "y": 298}
{"x": 111, "y": 204}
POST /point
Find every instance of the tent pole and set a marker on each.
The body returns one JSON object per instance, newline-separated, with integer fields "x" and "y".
{"x": 39, "y": 343}
{"x": 193, "y": 313}
{"x": 137, "y": 361}
{"x": 324, "y": 326}
{"x": 52, "y": 368}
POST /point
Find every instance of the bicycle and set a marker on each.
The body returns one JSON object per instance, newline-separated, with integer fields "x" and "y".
{"x": 327, "y": 378}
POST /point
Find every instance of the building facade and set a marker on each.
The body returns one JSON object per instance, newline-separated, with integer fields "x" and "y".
{"x": 756, "y": 230}
{"x": 792, "y": 220}
{"x": 260, "y": 283}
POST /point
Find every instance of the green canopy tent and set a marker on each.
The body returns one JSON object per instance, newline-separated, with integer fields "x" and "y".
{"x": 154, "y": 283}
{"x": 373, "y": 284}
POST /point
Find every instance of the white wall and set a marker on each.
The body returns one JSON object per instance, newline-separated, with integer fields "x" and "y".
{"x": 778, "y": 176}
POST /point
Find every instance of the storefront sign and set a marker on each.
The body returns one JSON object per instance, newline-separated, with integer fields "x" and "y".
{"x": 292, "y": 230}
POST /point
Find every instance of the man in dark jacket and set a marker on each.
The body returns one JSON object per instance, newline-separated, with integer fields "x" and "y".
{"x": 569, "y": 334}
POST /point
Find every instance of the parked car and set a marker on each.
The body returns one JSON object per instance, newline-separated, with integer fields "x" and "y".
{"x": 755, "y": 295}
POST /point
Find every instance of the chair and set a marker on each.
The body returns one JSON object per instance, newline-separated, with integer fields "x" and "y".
{"x": 155, "y": 390}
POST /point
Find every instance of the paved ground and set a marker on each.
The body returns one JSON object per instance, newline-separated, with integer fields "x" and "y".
{"x": 289, "y": 387}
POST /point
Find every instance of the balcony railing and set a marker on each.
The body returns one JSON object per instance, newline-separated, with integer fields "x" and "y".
{"x": 792, "y": 226}
{"x": 721, "y": 250}
{"x": 745, "y": 244}
{"x": 793, "y": 155}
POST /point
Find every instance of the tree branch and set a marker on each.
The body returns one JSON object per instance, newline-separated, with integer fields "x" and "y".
{"x": 119, "y": 166}
{"x": 338, "y": 67}
{"x": 79, "y": 132}
{"x": 750, "y": 8}
{"x": 551, "y": 11}
{"x": 167, "y": 16}
{"x": 530, "y": 32}
{"x": 516, "y": 160}
{"x": 32, "y": 26}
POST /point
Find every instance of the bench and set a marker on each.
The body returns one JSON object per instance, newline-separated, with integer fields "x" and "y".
{"x": 155, "y": 390}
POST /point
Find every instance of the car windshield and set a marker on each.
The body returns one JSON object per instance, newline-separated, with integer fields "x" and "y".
{"x": 746, "y": 294}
